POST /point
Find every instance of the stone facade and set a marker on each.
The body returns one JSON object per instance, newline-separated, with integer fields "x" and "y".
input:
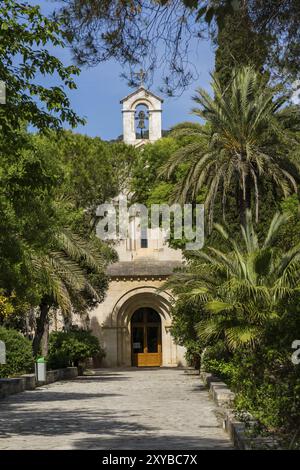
{"x": 137, "y": 279}
{"x": 111, "y": 320}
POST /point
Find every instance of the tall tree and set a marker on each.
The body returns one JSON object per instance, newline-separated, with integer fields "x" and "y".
{"x": 29, "y": 179}
{"x": 24, "y": 61}
{"x": 237, "y": 147}
{"x": 238, "y": 44}
{"x": 280, "y": 19}
{"x": 95, "y": 170}
{"x": 158, "y": 33}
{"x": 256, "y": 32}
{"x": 71, "y": 273}
{"x": 49, "y": 254}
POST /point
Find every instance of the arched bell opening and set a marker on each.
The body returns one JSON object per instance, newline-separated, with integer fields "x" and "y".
{"x": 141, "y": 118}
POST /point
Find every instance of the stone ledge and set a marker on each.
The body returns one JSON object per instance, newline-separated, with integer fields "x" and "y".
{"x": 28, "y": 381}
{"x": 191, "y": 371}
{"x": 61, "y": 374}
{"x": 223, "y": 397}
{"x": 143, "y": 267}
{"x": 10, "y": 386}
{"x": 236, "y": 430}
{"x": 207, "y": 378}
{"x": 218, "y": 390}
{"x": 221, "y": 394}
{"x": 238, "y": 434}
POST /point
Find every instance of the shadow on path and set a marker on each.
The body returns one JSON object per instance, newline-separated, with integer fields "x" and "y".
{"x": 163, "y": 442}
{"x": 59, "y": 423}
{"x": 114, "y": 409}
{"x": 38, "y": 396}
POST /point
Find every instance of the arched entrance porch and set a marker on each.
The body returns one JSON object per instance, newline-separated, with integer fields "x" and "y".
{"x": 145, "y": 297}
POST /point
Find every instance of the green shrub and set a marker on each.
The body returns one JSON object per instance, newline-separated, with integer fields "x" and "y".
{"x": 218, "y": 361}
{"x": 19, "y": 357}
{"x": 193, "y": 353}
{"x": 222, "y": 369}
{"x": 269, "y": 388}
{"x": 68, "y": 348}
{"x": 266, "y": 384}
{"x": 183, "y": 331}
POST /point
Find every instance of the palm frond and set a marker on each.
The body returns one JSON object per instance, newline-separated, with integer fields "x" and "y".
{"x": 277, "y": 221}
{"x": 79, "y": 249}
{"x": 241, "y": 336}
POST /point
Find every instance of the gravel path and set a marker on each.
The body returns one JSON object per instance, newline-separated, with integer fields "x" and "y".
{"x": 114, "y": 409}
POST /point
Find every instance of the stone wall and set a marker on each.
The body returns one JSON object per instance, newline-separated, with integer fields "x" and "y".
{"x": 28, "y": 381}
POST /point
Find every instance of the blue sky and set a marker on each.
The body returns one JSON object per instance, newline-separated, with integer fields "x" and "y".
{"x": 100, "y": 88}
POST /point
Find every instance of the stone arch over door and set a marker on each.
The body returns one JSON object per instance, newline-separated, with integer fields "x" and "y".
{"x": 121, "y": 316}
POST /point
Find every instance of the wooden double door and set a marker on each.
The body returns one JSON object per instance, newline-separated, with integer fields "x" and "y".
{"x": 146, "y": 338}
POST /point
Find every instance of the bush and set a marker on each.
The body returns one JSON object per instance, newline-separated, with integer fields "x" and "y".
{"x": 193, "y": 353}
{"x": 19, "y": 357}
{"x": 266, "y": 384}
{"x": 6, "y": 308}
{"x": 218, "y": 361}
{"x": 183, "y": 331}
{"x": 68, "y": 348}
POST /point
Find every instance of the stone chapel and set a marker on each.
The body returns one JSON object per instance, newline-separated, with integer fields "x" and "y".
{"x": 133, "y": 323}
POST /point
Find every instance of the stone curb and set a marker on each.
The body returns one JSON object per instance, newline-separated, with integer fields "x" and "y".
{"x": 191, "y": 371}
{"x": 223, "y": 397}
{"x": 28, "y": 381}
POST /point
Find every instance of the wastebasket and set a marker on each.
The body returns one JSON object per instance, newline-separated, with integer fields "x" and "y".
{"x": 41, "y": 369}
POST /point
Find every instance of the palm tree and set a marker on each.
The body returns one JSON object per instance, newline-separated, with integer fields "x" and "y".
{"x": 232, "y": 151}
{"x": 64, "y": 275}
{"x": 240, "y": 290}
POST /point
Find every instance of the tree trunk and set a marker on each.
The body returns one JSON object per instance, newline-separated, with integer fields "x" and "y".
{"x": 248, "y": 192}
{"x": 45, "y": 339}
{"x": 244, "y": 204}
{"x": 40, "y": 327}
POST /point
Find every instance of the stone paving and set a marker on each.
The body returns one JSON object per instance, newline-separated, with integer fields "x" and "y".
{"x": 114, "y": 409}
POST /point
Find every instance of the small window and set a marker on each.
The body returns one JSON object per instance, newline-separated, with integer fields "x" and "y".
{"x": 152, "y": 316}
{"x": 144, "y": 239}
{"x": 138, "y": 316}
{"x": 152, "y": 339}
{"x": 138, "y": 339}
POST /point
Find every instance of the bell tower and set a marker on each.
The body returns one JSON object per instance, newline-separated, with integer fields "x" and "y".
{"x": 141, "y": 117}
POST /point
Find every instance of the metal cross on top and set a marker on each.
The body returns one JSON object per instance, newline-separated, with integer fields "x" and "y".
{"x": 141, "y": 75}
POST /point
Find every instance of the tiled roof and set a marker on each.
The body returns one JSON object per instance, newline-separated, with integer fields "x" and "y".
{"x": 143, "y": 267}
